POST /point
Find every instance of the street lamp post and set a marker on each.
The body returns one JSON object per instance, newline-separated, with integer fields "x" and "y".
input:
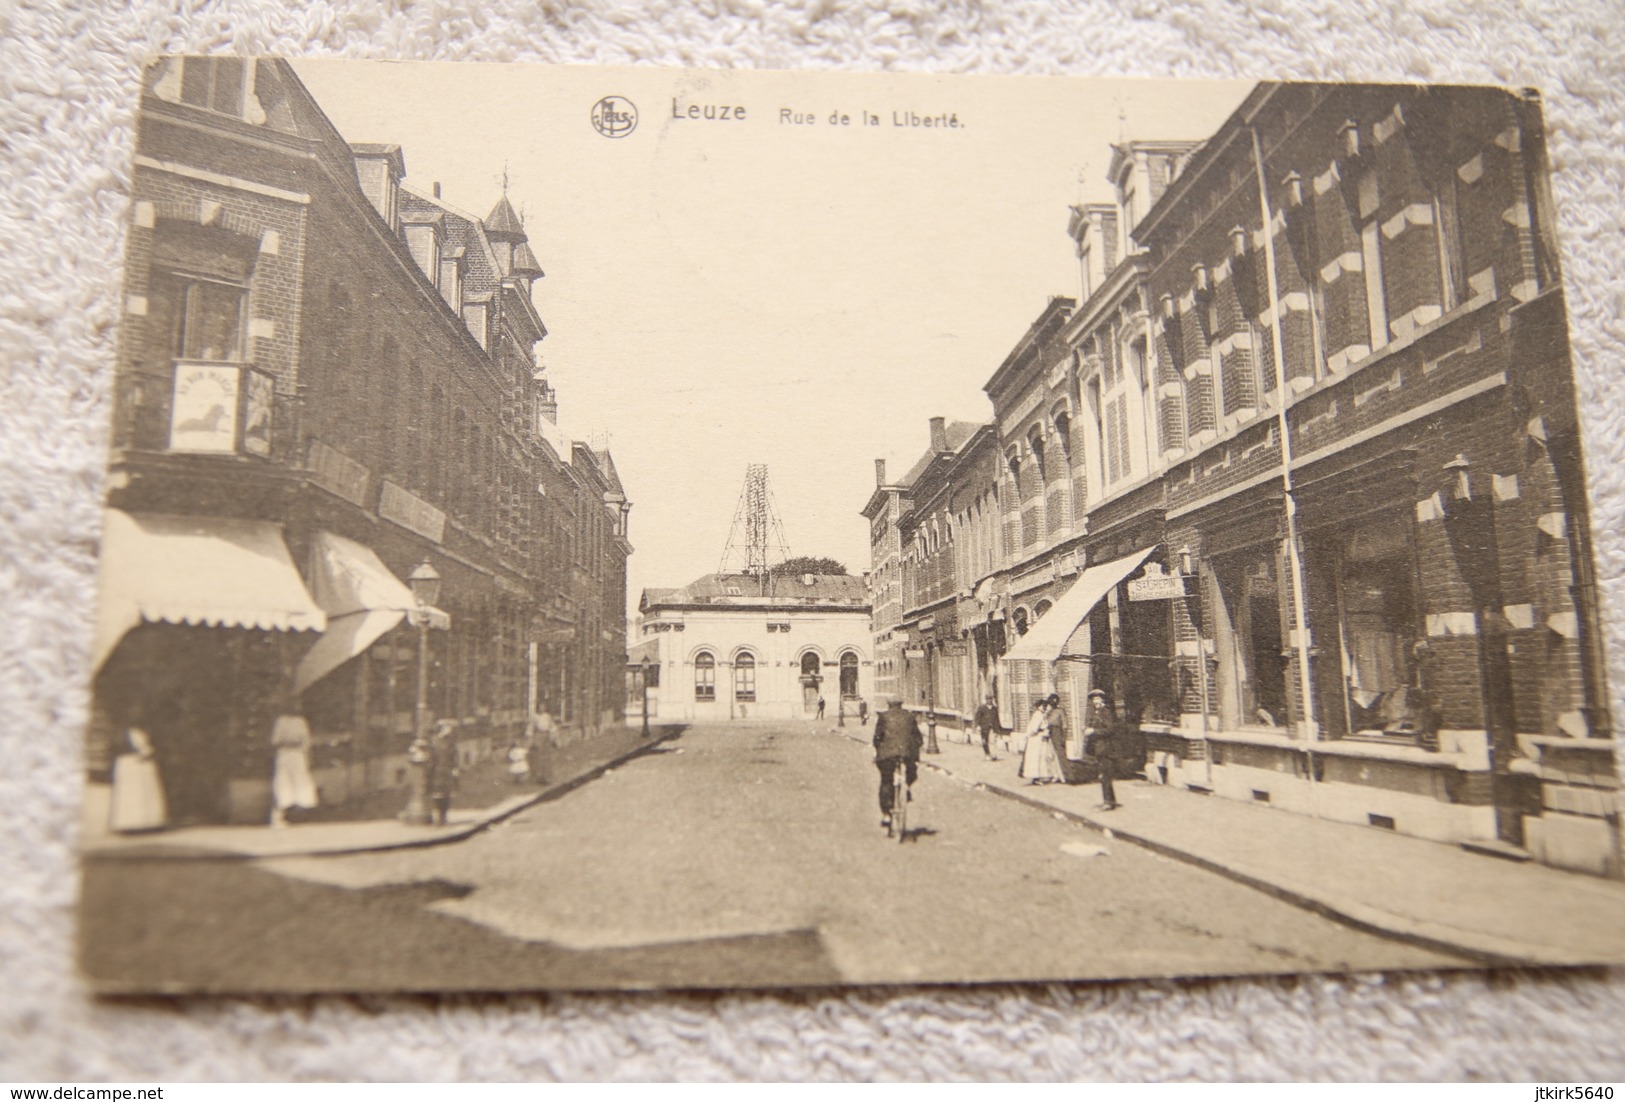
{"x": 931, "y": 746}
{"x": 425, "y": 584}
{"x": 644, "y": 681}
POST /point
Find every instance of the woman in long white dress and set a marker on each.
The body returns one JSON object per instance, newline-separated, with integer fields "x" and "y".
{"x": 291, "y": 782}
{"x": 138, "y": 792}
{"x": 1039, "y": 762}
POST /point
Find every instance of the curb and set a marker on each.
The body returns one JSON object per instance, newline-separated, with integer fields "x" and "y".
{"x": 162, "y": 851}
{"x": 1478, "y": 948}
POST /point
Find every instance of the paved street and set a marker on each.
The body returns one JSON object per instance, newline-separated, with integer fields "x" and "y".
{"x": 750, "y": 855}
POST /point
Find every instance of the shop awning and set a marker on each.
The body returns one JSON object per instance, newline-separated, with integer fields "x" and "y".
{"x": 362, "y": 600}
{"x": 1047, "y": 640}
{"x": 197, "y": 570}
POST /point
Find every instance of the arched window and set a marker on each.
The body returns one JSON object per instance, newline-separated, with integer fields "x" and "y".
{"x": 745, "y": 677}
{"x": 1035, "y": 442}
{"x": 705, "y": 676}
{"x": 810, "y": 664}
{"x": 1040, "y": 608}
{"x": 849, "y": 676}
{"x": 1019, "y": 619}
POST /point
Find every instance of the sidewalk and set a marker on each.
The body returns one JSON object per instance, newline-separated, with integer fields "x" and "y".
{"x": 570, "y": 767}
{"x": 1431, "y": 894}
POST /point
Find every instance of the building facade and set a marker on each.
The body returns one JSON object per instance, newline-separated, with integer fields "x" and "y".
{"x": 326, "y": 380}
{"x": 737, "y": 647}
{"x": 1297, "y": 480}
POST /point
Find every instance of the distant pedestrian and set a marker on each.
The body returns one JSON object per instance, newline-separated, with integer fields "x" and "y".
{"x": 291, "y": 783}
{"x": 542, "y": 730}
{"x": 1099, "y": 745}
{"x": 138, "y": 792}
{"x": 519, "y": 761}
{"x": 820, "y": 707}
{"x": 863, "y": 713}
{"x": 440, "y": 770}
{"x": 987, "y": 718}
{"x": 1039, "y": 762}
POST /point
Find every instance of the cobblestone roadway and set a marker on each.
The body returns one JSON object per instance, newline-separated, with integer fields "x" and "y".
{"x": 773, "y": 832}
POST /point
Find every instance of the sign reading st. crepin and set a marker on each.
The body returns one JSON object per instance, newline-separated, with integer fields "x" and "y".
{"x": 1155, "y": 584}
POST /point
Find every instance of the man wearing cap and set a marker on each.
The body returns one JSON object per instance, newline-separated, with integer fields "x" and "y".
{"x": 987, "y": 718}
{"x": 897, "y": 739}
{"x": 1100, "y": 730}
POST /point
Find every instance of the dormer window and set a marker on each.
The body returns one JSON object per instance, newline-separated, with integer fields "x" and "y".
{"x": 215, "y": 83}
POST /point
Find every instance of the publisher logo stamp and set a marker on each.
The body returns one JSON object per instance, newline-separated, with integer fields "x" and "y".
{"x": 614, "y": 116}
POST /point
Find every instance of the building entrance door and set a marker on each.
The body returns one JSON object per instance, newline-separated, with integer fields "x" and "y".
{"x": 810, "y": 679}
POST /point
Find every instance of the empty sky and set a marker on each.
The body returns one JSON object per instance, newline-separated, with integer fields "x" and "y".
{"x": 721, "y": 293}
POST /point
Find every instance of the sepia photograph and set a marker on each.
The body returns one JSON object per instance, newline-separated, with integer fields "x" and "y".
{"x": 592, "y": 528}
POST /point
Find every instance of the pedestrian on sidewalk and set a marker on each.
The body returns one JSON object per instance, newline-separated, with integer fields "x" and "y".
{"x": 1039, "y": 762}
{"x": 291, "y": 783}
{"x": 1035, "y": 722}
{"x": 987, "y": 718}
{"x": 519, "y": 760}
{"x": 863, "y": 713}
{"x": 138, "y": 792}
{"x": 897, "y": 739}
{"x": 1099, "y": 745}
{"x": 544, "y": 744}
{"x": 440, "y": 770}
{"x": 820, "y": 707}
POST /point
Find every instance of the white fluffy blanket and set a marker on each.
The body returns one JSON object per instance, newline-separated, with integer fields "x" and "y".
{"x": 68, "y": 80}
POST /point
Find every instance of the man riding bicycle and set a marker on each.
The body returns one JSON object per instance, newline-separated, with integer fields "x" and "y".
{"x": 897, "y": 739}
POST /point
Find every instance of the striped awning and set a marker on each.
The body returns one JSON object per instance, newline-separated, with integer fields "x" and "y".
{"x": 214, "y": 571}
{"x": 1047, "y": 640}
{"x": 362, "y": 599}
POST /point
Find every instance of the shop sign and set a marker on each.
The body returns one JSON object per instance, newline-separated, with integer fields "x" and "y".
{"x": 203, "y": 408}
{"x": 956, "y": 649}
{"x": 1156, "y": 585}
{"x": 259, "y": 396}
{"x": 395, "y": 503}
{"x": 913, "y": 652}
{"x": 337, "y": 473}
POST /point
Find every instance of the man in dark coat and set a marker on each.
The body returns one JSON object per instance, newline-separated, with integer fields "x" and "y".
{"x": 897, "y": 739}
{"x": 987, "y": 718}
{"x": 441, "y": 770}
{"x": 1100, "y": 745}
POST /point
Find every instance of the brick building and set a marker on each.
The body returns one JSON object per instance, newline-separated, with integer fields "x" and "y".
{"x": 1297, "y": 479}
{"x": 923, "y": 544}
{"x": 324, "y": 380}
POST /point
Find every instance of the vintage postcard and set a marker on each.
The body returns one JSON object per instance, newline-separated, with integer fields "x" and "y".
{"x": 635, "y": 528}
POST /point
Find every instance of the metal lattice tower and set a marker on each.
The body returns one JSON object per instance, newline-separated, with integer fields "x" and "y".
{"x": 756, "y": 540}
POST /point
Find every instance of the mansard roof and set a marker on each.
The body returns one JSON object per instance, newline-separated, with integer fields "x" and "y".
{"x": 481, "y": 275}
{"x": 957, "y": 432}
{"x": 785, "y": 592}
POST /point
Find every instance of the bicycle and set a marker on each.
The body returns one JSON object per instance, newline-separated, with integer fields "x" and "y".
{"x": 900, "y": 798}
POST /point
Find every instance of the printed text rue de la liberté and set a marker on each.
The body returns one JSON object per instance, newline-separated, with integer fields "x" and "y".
{"x": 788, "y": 116}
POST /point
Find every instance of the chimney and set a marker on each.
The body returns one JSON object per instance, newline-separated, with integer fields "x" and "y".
{"x": 880, "y": 472}
{"x": 437, "y": 189}
{"x": 939, "y": 434}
